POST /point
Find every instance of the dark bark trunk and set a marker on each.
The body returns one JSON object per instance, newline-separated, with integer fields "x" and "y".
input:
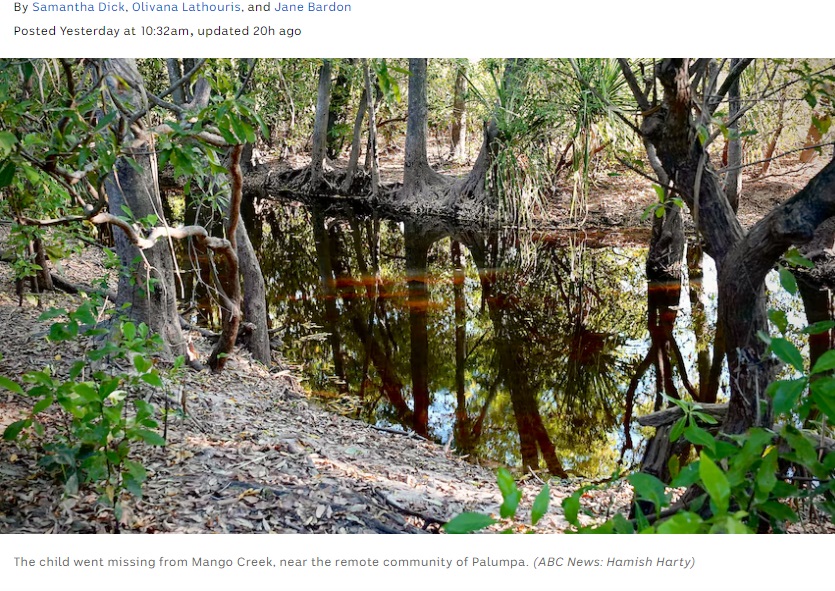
{"x": 743, "y": 261}
{"x": 371, "y": 155}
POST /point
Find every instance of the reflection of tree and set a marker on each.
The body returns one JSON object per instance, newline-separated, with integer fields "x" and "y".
{"x": 543, "y": 351}
{"x": 324, "y": 252}
{"x": 663, "y": 269}
{"x": 417, "y": 250}
{"x": 556, "y": 349}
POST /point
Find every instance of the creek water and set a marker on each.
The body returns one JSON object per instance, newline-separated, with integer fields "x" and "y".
{"x": 512, "y": 347}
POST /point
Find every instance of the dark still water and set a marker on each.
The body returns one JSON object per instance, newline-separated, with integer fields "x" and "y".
{"x": 516, "y": 348}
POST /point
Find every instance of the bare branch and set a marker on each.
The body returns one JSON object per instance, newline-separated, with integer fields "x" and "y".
{"x": 732, "y": 77}
{"x": 640, "y": 97}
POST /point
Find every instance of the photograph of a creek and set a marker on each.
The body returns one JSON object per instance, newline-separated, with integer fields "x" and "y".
{"x": 528, "y": 295}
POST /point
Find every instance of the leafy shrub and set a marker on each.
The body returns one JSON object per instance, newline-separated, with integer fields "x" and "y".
{"x": 103, "y": 413}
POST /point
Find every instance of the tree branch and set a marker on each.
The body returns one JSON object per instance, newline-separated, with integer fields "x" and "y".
{"x": 732, "y": 77}
{"x": 640, "y": 97}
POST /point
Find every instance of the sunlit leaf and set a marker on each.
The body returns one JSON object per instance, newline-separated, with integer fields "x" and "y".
{"x": 467, "y": 523}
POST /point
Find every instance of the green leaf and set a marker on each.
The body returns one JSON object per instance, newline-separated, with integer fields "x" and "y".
{"x": 678, "y": 429}
{"x": 823, "y": 394}
{"x": 52, "y": 313}
{"x": 84, "y": 314}
{"x": 786, "y": 393}
{"x": 10, "y": 385}
{"x": 699, "y": 436}
{"x": 684, "y": 522}
{"x": 778, "y": 511}
{"x": 674, "y": 466}
{"x": 688, "y": 475}
{"x": 141, "y": 363}
{"x": 150, "y": 437}
{"x": 787, "y": 352}
{"x": 819, "y": 327}
{"x": 571, "y": 508}
{"x": 649, "y": 488}
{"x": 129, "y": 330}
{"x": 715, "y": 482}
{"x": 825, "y": 362}
{"x": 767, "y": 475}
{"x": 540, "y": 504}
{"x": 788, "y": 281}
{"x": 794, "y": 257}
{"x": 13, "y": 430}
{"x": 510, "y": 504}
{"x": 7, "y": 172}
{"x": 622, "y": 524}
{"x": 467, "y": 523}
{"x": 7, "y": 142}
{"x": 779, "y": 319}
{"x": 42, "y": 405}
{"x": 507, "y": 485}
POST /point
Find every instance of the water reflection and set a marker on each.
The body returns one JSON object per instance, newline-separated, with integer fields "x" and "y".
{"x": 516, "y": 349}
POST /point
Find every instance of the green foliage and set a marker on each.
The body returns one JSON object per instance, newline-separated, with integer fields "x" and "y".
{"x": 467, "y": 523}
{"x": 105, "y": 413}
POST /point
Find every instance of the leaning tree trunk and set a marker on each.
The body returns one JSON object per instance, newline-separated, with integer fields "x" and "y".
{"x": 353, "y": 159}
{"x": 147, "y": 293}
{"x": 320, "y": 128}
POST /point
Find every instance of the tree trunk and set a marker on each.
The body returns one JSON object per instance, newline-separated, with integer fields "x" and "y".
{"x": 336, "y": 110}
{"x": 229, "y": 282}
{"x": 418, "y": 176}
{"x": 733, "y": 178}
{"x": 148, "y": 289}
{"x": 371, "y": 154}
{"x": 255, "y": 298}
{"x": 172, "y": 64}
{"x": 459, "y": 115}
{"x": 320, "y": 129}
{"x": 743, "y": 261}
{"x": 353, "y": 160}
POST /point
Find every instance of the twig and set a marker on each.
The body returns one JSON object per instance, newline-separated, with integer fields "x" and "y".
{"x": 398, "y": 432}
